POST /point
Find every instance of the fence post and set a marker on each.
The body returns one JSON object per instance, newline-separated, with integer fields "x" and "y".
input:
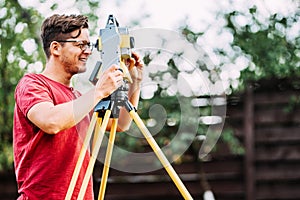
{"x": 249, "y": 143}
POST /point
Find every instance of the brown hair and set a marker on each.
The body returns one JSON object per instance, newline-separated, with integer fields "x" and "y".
{"x": 59, "y": 27}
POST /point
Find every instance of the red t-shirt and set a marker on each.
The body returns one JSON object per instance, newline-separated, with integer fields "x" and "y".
{"x": 44, "y": 163}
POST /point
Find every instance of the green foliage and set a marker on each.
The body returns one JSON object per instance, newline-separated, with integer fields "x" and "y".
{"x": 293, "y": 104}
{"x": 234, "y": 144}
{"x": 190, "y": 35}
{"x": 271, "y": 47}
{"x": 6, "y": 156}
{"x": 17, "y": 26}
{"x": 88, "y": 8}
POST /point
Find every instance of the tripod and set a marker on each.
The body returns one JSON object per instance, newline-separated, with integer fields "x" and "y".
{"x": 104, "y": 110}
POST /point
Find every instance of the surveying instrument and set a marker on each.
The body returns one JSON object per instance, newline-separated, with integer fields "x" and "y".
{"x": 115, "y": 45}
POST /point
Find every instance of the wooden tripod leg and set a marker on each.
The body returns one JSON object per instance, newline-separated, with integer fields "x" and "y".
{"x": 93, "y": 157}
{"x": 109, "y": 150}
{"x": 81, "y": 157}
{"x": 97, "y": 130}
{"x": 162, "y": 158}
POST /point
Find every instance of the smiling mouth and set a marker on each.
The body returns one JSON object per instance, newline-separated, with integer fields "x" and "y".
{"x": 83, "y": 60}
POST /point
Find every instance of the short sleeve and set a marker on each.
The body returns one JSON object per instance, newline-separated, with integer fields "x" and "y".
{"x": 30, "y": 91}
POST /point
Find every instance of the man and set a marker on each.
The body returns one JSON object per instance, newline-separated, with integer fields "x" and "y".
{"x": 50, "y": 115}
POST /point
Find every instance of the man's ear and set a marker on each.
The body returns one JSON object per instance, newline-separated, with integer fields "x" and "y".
{"x": 55, "y": 48}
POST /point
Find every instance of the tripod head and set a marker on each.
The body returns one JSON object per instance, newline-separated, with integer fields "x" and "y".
{"x": 115, "y": 45}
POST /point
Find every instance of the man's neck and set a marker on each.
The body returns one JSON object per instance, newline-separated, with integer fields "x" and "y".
{"x": 57, "y": 74}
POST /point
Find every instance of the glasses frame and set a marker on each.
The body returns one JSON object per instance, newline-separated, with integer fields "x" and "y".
{"x": 83, "y": 44}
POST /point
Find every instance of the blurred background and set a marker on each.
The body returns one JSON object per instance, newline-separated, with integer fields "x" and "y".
{"x": 248, "y": 58}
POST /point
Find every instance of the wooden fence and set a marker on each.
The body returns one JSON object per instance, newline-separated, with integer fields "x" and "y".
{"x": 224, "y": 175}
{"x": 266, "y": 119}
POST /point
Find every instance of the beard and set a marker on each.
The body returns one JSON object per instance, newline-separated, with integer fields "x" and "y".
{"x": 73, "y": 66}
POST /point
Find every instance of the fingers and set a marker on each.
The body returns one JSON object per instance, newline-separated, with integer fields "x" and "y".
{"x": 138, "y": 62}
{"x": 116, "y": 76}
{"x": 114, "y": 68}
{"x": 109, "y": 81}
{"x": 134, "y": 61}
{"x": 130, "y": 63}
{"x": 135, "y": 55}
{"x": 115, "y": 71}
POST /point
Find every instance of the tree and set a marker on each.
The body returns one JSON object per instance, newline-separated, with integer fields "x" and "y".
{"x": 261, "y": 47}
{"x": 19, "y": 50}
{"x": 272, "y": 48}
{"x": 262, "y": 44}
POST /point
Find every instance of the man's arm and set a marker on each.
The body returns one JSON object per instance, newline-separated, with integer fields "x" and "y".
{"x": 55, "y": 118}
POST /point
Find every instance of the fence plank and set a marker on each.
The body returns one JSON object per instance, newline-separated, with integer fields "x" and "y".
{"x": 249, "y": 144}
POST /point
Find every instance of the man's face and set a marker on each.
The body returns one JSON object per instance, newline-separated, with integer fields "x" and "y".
{"x": 73, "y": 56}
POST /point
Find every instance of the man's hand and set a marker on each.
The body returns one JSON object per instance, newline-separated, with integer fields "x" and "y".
{"x": 135, "y": 67}
{"x": 108, "y": 82}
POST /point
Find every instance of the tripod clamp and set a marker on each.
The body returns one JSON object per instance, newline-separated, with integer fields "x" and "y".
{"x": 114, "y": 102}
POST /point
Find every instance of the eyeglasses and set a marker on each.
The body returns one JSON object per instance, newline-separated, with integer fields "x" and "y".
{"x": 82, "y": 44}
